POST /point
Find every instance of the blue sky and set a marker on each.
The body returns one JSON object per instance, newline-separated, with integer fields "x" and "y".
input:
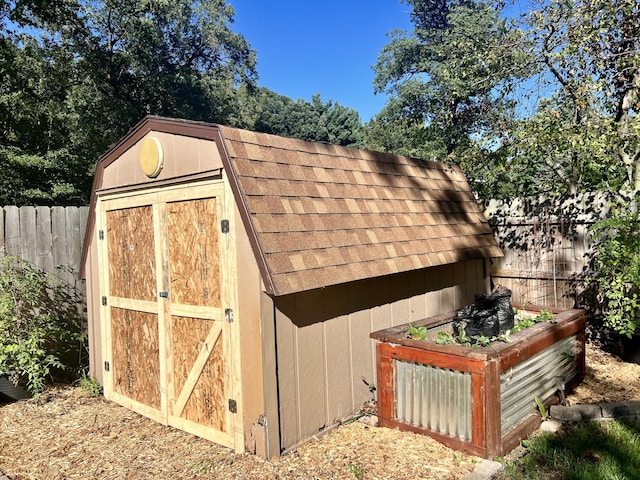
{"x": 328, "y": 47}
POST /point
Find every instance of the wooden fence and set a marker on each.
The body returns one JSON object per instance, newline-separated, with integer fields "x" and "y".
{"x": 546, "y": 245}
{"x": 47, "y": 237}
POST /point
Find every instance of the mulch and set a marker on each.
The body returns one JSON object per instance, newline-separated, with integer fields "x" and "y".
{"x": 68, "y": 434}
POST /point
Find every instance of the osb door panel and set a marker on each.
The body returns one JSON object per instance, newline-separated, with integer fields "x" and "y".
{"x": 135, "y": 365}
{"x": 198, "y": 332}
{"x": 166, "y": 337}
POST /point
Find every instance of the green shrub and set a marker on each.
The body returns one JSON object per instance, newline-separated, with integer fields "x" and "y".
{"x": 616, "y": 270}
{"x": 41, "y": 326}
{"x": 90, "y": 385}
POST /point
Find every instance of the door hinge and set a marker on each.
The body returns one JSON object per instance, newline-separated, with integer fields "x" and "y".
{"x": 228, "y": 315}
{"x": 101, "y": 234}
{"x": 224, "y": 226}
{"x": 233, "y": 406}
{"x": 104, "y": 301}
{"x": 164, "y": 294}
{"x": 107, "y": 366}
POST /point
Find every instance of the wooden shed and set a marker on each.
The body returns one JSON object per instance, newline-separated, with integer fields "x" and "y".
{"x": 233, "y": 278}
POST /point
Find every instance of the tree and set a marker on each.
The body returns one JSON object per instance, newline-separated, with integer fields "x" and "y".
{"x": 468, "y": 72}
{"x": 75, "y": 83}
{"x": 35, "y": 126}
{"x": 588, "y": 53}
{"x": 444, "y": 77}
{"x": 316, "y": 121}
{"x": 343, "y": 124}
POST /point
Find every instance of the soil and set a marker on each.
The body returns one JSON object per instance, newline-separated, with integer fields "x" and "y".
{"x": 68, "y": 434}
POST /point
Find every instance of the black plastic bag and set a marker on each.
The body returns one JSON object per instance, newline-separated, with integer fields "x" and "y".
{"x": 500, "y": 301}
{"x": 476, "y": 323}
{"x": 490, "y": 315}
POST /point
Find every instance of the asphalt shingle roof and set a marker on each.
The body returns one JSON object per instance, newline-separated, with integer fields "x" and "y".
{"x": 324, "y": 214}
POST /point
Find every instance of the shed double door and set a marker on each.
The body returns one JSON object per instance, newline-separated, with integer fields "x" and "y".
{"x": 166, "y": 336}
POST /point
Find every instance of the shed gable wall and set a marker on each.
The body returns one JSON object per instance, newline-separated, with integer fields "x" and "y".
{"x": 325, "y": 358}
{"x": 183, "y": 157}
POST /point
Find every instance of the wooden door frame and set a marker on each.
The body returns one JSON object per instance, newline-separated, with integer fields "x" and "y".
{"x": 157, "y": 198}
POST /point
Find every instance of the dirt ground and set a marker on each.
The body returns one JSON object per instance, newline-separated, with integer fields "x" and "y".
{"x": 69, "y": 435}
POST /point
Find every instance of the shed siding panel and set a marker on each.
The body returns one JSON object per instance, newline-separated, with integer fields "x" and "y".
{"x": 92, "y": 274}
{"x": 287, "y": 374}
{"x": 311, "y": 381}
{"x": 447, "y": 294}
{"x": 354, "y": 310}
{"x": 360, "y": 350}
{"x": 311, "y": 375}
{"x": 401, "y": 308}
{"x": 337, "y": 347}
{"x": 257, "y": 340}
{"x": 417, "y": 302}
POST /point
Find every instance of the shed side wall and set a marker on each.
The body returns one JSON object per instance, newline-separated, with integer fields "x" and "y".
{"x": 326, "y": 360}
{"x": 249, "y": 288}
{"x": 93, "y": 309}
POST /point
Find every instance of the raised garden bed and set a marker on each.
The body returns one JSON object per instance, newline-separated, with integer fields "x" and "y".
{"x": 481, "y": 400}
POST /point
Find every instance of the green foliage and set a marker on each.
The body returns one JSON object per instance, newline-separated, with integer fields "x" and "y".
{"x": 315, "y": 121}
{"x": 545, "y": 102}
{"x": 522, "y": 322}
{"x": 554, "y": 153}
{"x": 528, "y": 321}
{"x": 442, "y": 79}
{"x": 356, "y": 471}
{"x": 41, "y": 328}
{"x": 77, "y": 75}
{"x": 416, "y": 333}
{"x": 446, "y": 338}
{"x": 541, "y": 408}
{"x": 585, "y": 451}
{"x": 90, "y": 385}
{"x": 590, "y": 50}
{"x": 583, "y": 134}
{"x": 616, "y": 270}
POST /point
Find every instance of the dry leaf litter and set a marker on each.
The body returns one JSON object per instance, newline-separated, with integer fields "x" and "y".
{"x": 69, "y": 435}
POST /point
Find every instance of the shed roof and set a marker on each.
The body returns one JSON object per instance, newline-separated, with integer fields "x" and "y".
{"x": 320, "y": 214}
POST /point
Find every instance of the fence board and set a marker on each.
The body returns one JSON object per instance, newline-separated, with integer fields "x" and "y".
{"x": 44, "y": 258}
{"x": 59, "y": 236}
{"x": 2, "y": 248}
{"x": 74, "y": 240}
{"x": 546, "y": 246}
{"x": 28, "y": 234}
{"x": 12, "y": 230}
{"x": 45, "y": 236}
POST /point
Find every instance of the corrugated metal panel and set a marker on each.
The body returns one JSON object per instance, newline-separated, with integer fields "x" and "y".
{"x": 539, "y": 376}
{"x": 435, "y": 398}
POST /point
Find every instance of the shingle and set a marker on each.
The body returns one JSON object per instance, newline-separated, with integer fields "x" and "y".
{"x": 324, "y": 214}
